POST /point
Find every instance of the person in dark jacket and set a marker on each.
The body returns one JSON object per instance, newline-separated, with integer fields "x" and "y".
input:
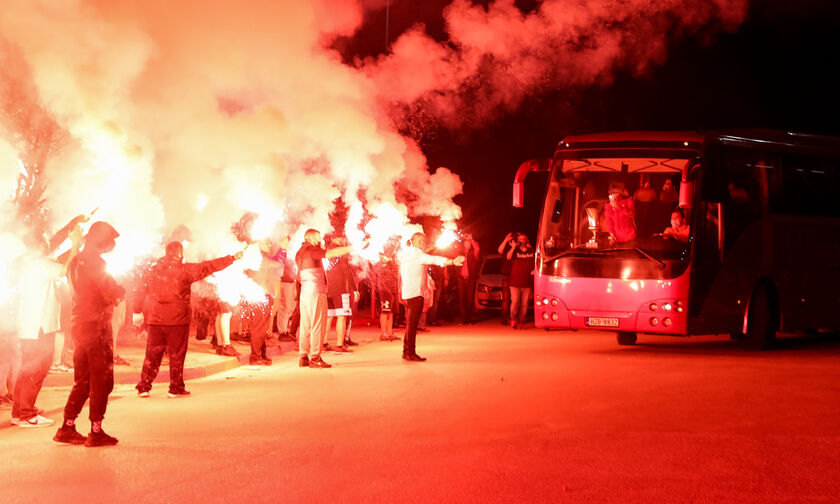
{"x": 95, "y": 293}
{"x": 164, "y": 300}
{"x": 342, "y": 297}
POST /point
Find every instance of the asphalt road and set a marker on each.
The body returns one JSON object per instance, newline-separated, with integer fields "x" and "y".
{"x": 495, "y": 415}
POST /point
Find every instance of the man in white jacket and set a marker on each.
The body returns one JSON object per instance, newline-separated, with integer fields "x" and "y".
{"x": 412, "y": 274}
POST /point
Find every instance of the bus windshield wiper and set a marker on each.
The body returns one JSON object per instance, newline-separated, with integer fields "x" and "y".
{"x": 659, "y": 263}
{"x": 578, "y": 250}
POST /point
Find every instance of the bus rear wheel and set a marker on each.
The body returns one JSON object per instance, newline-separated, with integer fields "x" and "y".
{"x": 626, "y": 338}
{"x": 761, "y": 320}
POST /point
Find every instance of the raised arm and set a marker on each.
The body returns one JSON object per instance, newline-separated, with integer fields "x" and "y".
{"x": 338, "y": 251}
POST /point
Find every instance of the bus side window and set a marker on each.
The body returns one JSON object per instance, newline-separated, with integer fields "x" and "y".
{"x": 806, "y": 186}
{"x": 746, "y": 197}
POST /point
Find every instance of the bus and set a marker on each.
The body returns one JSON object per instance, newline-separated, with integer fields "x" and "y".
{"x": 759, "y": 250}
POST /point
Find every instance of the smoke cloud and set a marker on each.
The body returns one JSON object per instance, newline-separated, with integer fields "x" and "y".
{"x": 496, "y": 56}
{"x": 195, "y": 112}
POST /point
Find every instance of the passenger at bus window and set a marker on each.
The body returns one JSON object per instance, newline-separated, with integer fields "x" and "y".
{"x": 621, "y": 214}
{"x": 679, "y": 229}
{"x": 645, "y": 194}
{"x": 669, "y": 193}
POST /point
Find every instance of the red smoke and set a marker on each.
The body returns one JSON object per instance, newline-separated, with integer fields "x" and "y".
{"x": 497, "y": 55}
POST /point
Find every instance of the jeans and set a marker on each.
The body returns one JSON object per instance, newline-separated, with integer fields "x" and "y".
{"x": 519, "y": 303}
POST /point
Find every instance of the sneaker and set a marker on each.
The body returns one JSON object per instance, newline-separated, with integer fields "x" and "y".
{"x": 176, "y": 395}
{"x": 69, "y": 435}
{"x": 342, "y": 349}
{"x": 422, "y": 329}
{"x": 265, "y": 361}
{"x": 349, "y": 342}
{"x": 119, "y": 361}
{"x": 272, "y": 341}
{"x": 304, "y": 361}
{"x": 327, "y": 347}
{"x": 318, "y": 362}
{"x": 36, "y": 421}
{"x": 100, "y": 439}
{"x": 143, "y": 393}
{"x": 413, "y": 358}
{"x": 15, "y": 421}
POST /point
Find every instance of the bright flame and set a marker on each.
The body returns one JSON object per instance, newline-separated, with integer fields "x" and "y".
{"x": 129, "y": 249}
{"x": 201, "y": 202}
{"x": 233, "y": 285}
{"x": 446, "y": 238}
{"x": 268, "y": 214}
{"x": 448, "y": 235}
{"x": 387, "y": 221}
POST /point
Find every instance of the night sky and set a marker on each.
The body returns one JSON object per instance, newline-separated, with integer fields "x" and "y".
{"x": 776, "y": 71}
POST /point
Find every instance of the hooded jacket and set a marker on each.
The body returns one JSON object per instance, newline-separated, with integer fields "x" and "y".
{"x": 164, "y": 296}
{"x": 95, "y": 292}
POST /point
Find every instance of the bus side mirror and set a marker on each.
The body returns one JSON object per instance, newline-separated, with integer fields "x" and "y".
{"x": 532, "y": 165}
{"x": 686, "y": 194}
{"x": 518, "y": 194}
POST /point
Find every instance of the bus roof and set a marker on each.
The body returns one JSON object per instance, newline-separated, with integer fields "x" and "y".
{"x": 783, "y": 141}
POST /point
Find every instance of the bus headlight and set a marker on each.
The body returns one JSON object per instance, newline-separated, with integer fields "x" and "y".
{"x": 666, "y": 322}
{"x": 654, "y": 321}
{"x": 545, "y": 316}
{"x": 554, "y": 316}
{"x": 666, "y": 306}
{"x": 484, "y": 288}
{"x": 653, "y": 307}
{"x": 553, "y": 302}
{"x": 678, "y": 307}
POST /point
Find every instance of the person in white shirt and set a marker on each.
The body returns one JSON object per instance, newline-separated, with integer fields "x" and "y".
{"x": 412, "y": 274}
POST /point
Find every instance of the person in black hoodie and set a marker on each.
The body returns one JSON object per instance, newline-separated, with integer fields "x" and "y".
{"x": 95, "y": 293}
{"x": 164, "y": 299}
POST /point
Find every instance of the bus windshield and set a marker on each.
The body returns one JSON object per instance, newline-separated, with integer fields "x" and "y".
{"x": 622, "y": 210}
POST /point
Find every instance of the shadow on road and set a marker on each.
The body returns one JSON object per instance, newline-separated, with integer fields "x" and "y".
{"x": 724, "y": 346}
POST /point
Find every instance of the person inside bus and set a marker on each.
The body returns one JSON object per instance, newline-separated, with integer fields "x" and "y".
{"x": 621, "y": 214}
{"x": 678, "y": 229}
{"x": 669, "y": 193}
{"x": 645, "y": 194}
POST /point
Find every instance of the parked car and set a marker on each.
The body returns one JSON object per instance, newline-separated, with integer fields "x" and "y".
{"x": 488, "y": 289}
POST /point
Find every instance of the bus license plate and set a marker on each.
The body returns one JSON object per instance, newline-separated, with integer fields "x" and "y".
{"x": 601, "y": 321}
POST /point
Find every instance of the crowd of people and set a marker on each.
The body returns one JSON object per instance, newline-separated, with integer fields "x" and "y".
{"x": 303, "y": 295}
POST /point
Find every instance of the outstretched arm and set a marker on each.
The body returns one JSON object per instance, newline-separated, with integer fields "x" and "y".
{"x": 338, "y": 251}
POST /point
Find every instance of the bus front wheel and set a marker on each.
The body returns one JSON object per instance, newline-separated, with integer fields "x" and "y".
{"x": 761, "y": 320}
{"x": 626, "y": 338}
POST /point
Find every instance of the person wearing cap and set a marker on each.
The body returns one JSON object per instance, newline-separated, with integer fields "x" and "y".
{"x": 164, "y": 301}
{"x": 95, "y": 294}
{"x": 621, "y": 215}
{"x": 413, "y": 263}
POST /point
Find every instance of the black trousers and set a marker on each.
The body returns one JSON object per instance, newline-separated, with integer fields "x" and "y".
{"x": 35, "y": 360}
{"x": 466, "y": 298}
{"x": 258, "y": 318}
{"x": 93, "y": 360}
{"x": 170, "y": 339}
{"x": 413, "y": 308}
